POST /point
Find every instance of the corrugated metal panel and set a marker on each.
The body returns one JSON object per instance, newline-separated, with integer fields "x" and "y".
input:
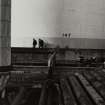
{"x": 5, "y": 28}
{"x": 6, "y": 2}
{"x": 5, "y": 13}
{"x": 5, "y": 32}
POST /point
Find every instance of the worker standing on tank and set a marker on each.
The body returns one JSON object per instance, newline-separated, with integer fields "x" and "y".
{"x": 34, "y": 43}
{"x": 41, "y": 43}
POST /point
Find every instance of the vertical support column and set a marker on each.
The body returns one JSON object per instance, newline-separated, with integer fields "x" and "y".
{"x": 5, "y": 32}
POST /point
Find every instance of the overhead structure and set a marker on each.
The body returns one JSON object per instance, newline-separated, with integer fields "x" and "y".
{"x": 5, "y": 32}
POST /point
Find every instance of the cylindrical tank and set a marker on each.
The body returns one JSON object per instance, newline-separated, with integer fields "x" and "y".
{"x": 77, "y": 19}
{"x": 5, "y": 32}
{"x": 84, "y": 18}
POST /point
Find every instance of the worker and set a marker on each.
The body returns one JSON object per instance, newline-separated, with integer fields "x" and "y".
{"x": 34, "y": 43}
{"x": 41, "y": 43}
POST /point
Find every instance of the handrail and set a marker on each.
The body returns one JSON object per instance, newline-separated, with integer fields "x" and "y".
{"x": 51, "y": 63}
{"x": 44, "y": 100}
{"x": 51, "y": 59}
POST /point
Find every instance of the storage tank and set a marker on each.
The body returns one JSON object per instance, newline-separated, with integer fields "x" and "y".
{"x": 84, "y": 18}
{"x": 5, "y": 32}
{"x": 53, "y": 18}
{"x": 83, "y": 23}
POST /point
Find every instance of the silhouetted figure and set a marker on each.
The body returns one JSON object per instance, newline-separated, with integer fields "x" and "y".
{"x": 34, "y": 43}
{"x": 69, "y": 35}
{"x": 66, "y": 35}
{"x": 41, "y": 43}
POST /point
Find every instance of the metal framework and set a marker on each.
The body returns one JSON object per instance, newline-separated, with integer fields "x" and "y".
{"x": 59, "y": 86}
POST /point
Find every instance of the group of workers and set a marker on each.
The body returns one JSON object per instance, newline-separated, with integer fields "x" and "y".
{"x": 41, "y": 43}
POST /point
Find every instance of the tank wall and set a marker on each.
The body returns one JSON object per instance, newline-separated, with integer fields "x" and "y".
{"x": 84, "y": 18}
